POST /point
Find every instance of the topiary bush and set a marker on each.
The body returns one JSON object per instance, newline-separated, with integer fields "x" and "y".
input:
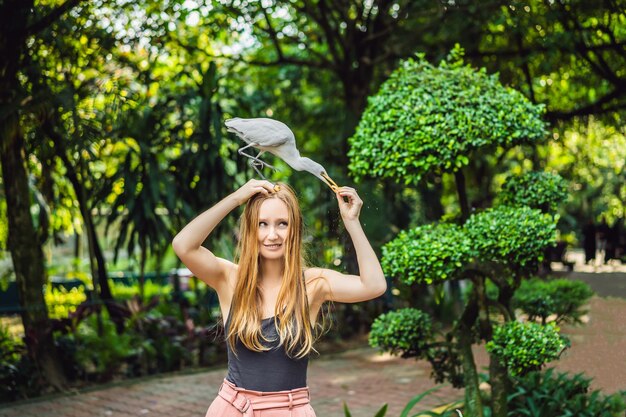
{"x": 525, "y": 347}
{"x": 427, "y": 119}
{"x": 516, "y": 236}
{"x": 560, "y": 297}
{"x": 427, "y": 254}
{"x": 541, "y": 190}
{"x": 406, "y": 331}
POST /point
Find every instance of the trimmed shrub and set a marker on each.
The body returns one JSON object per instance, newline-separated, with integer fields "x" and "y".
{"x": 562, "y": 297}
{"x": 428, "y": 119}
{"x": 406, "y": 331}
{"x": 516, "y": 236}
{"x": 540, "y": 190}
{"x": 427, "y": 254}
{"x": 525, "y": 347}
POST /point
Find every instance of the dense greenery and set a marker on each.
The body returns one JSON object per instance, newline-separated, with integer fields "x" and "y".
{"x": 427, "y": 254}
{"x": 514, "y": 236}
{"x": 540, "y": 190}
{"x": 552, "y": 394}
{"x": 561, "y": 298}
{"x": 525, "y": 347}
{"x": 429, "y": 120}
{"x": 405, "y": 331}
{"x": 494, "y": 248}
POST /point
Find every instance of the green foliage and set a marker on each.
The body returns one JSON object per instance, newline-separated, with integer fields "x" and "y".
{"x": 516, "y": 236}
{"x": 18, "y": 376}
{"x": 159, "y": 341}
{"x": 121, "y": 291}
{"x": 380, "y": 413}
{"x": 427, "y": 119}
{"x": 550, "y": 394}
{"x": 448, "y": 412}
{"x": 541, "y": 190}
{"x": 591, "y": 155}
{"x": 61, "y": 302}
{"x": 407, "y": 331}
{"x": 100, "y": 350}
{"x": 525, "y": 347}
{"x": 427, "y": 254}
{"x": 562, "y": 297}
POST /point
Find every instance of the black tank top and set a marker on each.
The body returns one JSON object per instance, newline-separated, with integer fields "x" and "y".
{"x": 271, "y": 370}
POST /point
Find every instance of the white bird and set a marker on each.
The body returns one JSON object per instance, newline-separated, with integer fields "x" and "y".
{"x": 269, "y": 135}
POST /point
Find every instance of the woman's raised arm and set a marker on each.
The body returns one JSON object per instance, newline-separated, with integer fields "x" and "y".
{"x": 370, "y": 283}
{"x": 187, "y": 243}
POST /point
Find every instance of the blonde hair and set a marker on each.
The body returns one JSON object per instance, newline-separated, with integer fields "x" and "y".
{"x": 291, "y": 313}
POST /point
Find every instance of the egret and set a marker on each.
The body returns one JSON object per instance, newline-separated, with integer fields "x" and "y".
{"x": 269, "y": 135}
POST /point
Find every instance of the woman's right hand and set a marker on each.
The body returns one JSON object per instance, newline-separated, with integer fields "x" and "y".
{"x": 252, "y": 187}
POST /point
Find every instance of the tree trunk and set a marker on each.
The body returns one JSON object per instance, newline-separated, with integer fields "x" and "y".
{"x": 473, "y": 403}
{"x": 462, "y": 192}
{"x": 96, "y": 257}
{"x": 27, "y": 255}
{"x": 430, "y": 195}
{"x": 142, "y": 268}
{"x": 497, "y": 372}
{"x": 22, "y": 242}
{"x": 498, "y": 377}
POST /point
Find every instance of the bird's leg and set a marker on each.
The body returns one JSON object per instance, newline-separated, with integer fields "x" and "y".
{"x": 254, "y": 160}
{"x": 240, "y": 151}
{"x": 262, "y": 164}
{"x": 253, "y": 164}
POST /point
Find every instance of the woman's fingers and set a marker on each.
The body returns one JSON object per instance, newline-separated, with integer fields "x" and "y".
{"x": 349, "y": 209}
{"x": 255, "y": 186}
{"x": 350, "y": 193}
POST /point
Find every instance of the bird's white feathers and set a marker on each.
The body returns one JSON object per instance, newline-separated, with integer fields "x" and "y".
{"x": 267, "y": 133}
{"x": 272, "y": 136}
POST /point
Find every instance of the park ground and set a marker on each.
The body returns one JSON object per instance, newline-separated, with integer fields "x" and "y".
{"x": 362, "y": 377}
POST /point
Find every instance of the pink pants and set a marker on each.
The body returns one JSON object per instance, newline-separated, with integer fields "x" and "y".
{"x": 233, "y": 401}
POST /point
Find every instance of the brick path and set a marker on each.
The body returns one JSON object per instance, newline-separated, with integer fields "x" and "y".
{"x": 361, "y": 377}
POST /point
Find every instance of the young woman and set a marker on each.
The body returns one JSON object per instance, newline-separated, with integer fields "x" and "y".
{"x": 270, "y": 301}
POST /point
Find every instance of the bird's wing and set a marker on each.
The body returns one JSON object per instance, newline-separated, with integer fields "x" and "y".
{"x": 265, "y": 132}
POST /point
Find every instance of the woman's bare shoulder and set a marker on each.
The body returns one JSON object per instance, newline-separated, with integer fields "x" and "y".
{"x": 315, "y": 283}
{"x": 313, "y": 273}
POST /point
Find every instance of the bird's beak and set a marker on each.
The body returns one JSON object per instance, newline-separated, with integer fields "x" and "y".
{"x": 329, "y": 181}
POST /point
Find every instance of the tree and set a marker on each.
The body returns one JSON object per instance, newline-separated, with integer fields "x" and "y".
{"x": 18, "y": 24}
{"x": 427, "y": 120}
{"x": 565, "y": 54}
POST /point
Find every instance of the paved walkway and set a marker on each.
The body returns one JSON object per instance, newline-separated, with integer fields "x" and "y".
{"x": 361, "y": 377}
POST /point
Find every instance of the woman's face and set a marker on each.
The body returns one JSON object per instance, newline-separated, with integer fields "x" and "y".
{"x": 273, "y": 228}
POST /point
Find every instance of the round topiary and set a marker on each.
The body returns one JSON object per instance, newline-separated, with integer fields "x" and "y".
{"x": 562, "y": 297}
{"x": 427, "y": 119}
{"x": 540, "y": 190}
{"x": 406, "y": 331}
{"x": 525, "y": 347}
{"x": 517, "y": 236}
{"x": 427, "y": 254}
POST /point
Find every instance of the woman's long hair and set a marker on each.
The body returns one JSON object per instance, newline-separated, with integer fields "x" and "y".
{"x": 291, "y": 314}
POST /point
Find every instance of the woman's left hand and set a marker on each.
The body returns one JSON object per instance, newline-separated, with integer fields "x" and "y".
{"x": 351, "y": 208}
